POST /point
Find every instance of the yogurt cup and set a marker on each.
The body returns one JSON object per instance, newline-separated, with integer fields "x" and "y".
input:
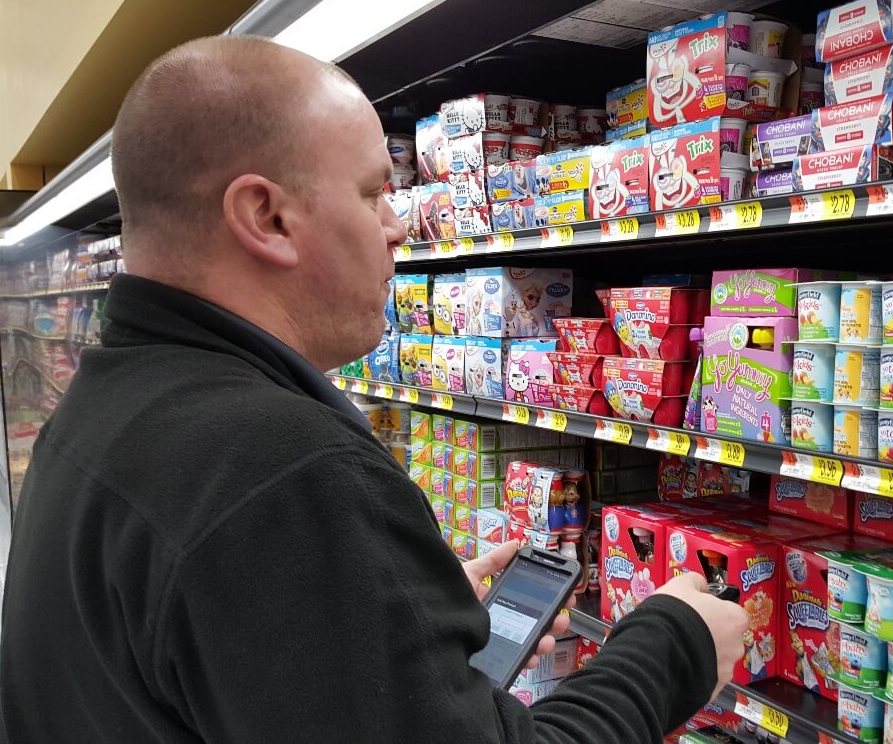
{"x": 863, "y": 659}
{"x": 564, "y": 119}
{"x": 767, "y": 38}
{"x": 737, "y": 78}
{"x": 738, "y": 30}
{"x": 401, "y": 148}
{"x": 812, "y": 426}
{"x": 403, "y": 177}
{"x": 496, "y": 147}
{"x": 860, "y": 313}
{"x": 860, "y": 714}
{"x": 887, "y": 311}
{"x": 731, "y": 183}
{"x": 818, "y": 311}
{"x": 857, "y": 375}
{"x": 885, "y": 436}
{"x": 731, "y": 134}
{"x": 879, "y": 605}
{"x": 496, "y": 111}
{"x": 525, "y": 112}
{"x": 855, "y": 431}
{"x": 847, "y": 590}
{"x": 592, "y": 121}
{"x": 764, "y": 88}
{"x": 807, "y": 50}
{"x": 812, "y": 96}
{"x": 525, "y": 148}
{"x": 813, "y": 372}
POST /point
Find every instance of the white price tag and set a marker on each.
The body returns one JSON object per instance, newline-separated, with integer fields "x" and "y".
{"x": 554, "y": 420}
{"x": 867, "y": 478}
{"x": 773, "y": 721}
{"x": 811, "y": 467}
{"x": 443, "y": 401}
{"x": 725, "y": 453}
{"x": 624, "y": 228}
{"x": 744, "y": 216}
{"x": 613, "y": 431}
{"x": 672, "y": 442}
{"x": 828, "y": 205}
{"x": 880, "y": 201}
{"x": 409, "y": 395}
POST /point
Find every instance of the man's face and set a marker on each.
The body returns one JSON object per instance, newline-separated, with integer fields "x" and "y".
{"x": 351, "y": 230}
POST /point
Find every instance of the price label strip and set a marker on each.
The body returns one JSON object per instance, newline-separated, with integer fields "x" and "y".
{"x": 725, "y": 453}
{"x": 868, "y": 478}
{"x": 613, "y": 431}
{"x": 677, "y": 223}
{"x": 499, "y": 242}
{"x": 403, "y": 253}
{"x": 554, "y": 420}
{"x": 812, "y": 468}
{"x": 829, "y": 205}
{"x": 384, "y": 391}
{"x": 515, "y": 414}
{"x": 773, "y": 721}
{"x": 672, "y": 442}
{"x": 557, "y": 237}
{"x": 360, "y": 386}
{"x": 625, "y": 228}
{"x": 340, "y": 383}
{"x": 744, "y": 216}
{"x": 409, "y": 395}
{"x": 442, "y": 400}
{"x": 880, "y": 201}
{"x": 456, "y": 247}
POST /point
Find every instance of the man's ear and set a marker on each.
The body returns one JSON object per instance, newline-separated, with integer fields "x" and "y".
{"x": 263, "y": 218}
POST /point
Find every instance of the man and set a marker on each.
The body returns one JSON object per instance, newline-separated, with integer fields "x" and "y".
{"x": 210, "y": 546}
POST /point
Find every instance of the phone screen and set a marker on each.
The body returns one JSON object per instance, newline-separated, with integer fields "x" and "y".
{"x": 528, "y": 592}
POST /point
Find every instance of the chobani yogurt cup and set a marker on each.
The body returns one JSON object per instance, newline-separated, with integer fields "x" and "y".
{"x": 857, "y": 375}
{"x": 767, "y": 38}
{"x": 855, "y": 431}
{"x": 812, "y": 426}
{"x": 863, "y": 658}
{"x": 879, "y": 605}
{"x": 772, "y": 183}
{"x": 847, "y": 590}
{"x": 401, "y": 148}
{"x": 860, "y": 313}
{"x": 885, "y": 436}
{"x": 813, "y": 371}
{"x": 525, "y": 148}
{"x": 887, "y": 311}
{"x": 860, "y": 714}
{"x": 818, "y": 311}
{"x": 496, "y": 111}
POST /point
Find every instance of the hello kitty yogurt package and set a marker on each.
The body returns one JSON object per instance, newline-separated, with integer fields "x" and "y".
{"x": 463, "y": 116}
{"x": 528, "y": 371}
{"x": 517, "y": 303}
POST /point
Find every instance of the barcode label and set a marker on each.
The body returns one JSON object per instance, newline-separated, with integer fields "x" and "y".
{"x": 488, "y": 493}
{"x": 488, "y": 438}
{"x": 561, "y": 657}
{"x": 488, "y": 467}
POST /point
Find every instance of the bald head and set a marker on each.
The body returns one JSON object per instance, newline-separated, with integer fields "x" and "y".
{"x": 205, "y": 113}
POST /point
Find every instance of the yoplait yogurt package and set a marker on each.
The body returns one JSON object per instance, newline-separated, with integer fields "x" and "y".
{"x": 619, "y": 179}
{"x": 463, "y": 116}
{"x": 559, "y": 209}
{"x": 853, "y": 27}
{"x": 432, "y": 150}
{"x": 733, "y": 557}
{"x": 645, "y": 390}
{"x": 528, "y": 371}
{"x": 633, "y": 130}
{"x": 436, "y": 212}
{"x": 415, "y": 359}
{"x": 844, "y": 167}
{"x": 755, "y": 292}
{"x": 467, "y": 189}
{"x": 472, "y": 221}
{"x": 513, "y": 215}
{"x": 383, "y": 362}
{"x": 412, "y": 303}
{"x": 815, "y": 502}
{"x": 483, "y": 366}
{"x": 627, "y": 104}
{"x": 686, "y": 71}
{"x": 405, "y": 203}
{"x": 517, "y": 303}
{"x": 857, "y": 123}
{"x": 684, "y": 165}
{"x": 772, "y": 183}
{"x": 861, "y": 76}
{"x": 448, "y": 302}
{"x": 559, "y": 172}
{"x": 466, "y": 153}
{"x": 746, "y": 389}
{"x": 448, "y": 363}
{"x": 778, "y": 143}
{"x": 510, "y": 181}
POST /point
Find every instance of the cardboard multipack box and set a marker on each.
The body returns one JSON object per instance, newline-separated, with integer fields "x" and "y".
{"x": 749, "y": 563}
{"x": 846, "y": 167}
{"x": 619, "y": 182}
{"x": 746, "y": 390}
{"x": 646, "y": 390}
{"x": 436, "y": 214}
{"x": 847, "y": 29}
{"x": 778, "y": 143}
{"x": 484, "y": 364}
{"x": 529, "y": 372}
{"x": 560, "y": 209}
{"x": 530, "y": 692}
{"x": 477, "y": 494}
{"x": 873, "y": 515}
{"x": 490, "y": 525}
{"x": 556, "y": 665}
{"x": 448, "y": 300}
{"x": 815, "y": 502}
{"x": 861, "y": 76}
{"x": 853, "y": 124}
{"x": 511, "y": 181}
{"x": 560, "y": 172}
{"x": 627, "y": 104}
{"x": 513, "y": 215}
{"x": 448, "y": 363}
{"x": 551, "y": 500}
{"x": 684, "y": 165}
{"x": 463, "y": 116}
{"x": 756, "y": 292}
{"x": 778, "y": 527}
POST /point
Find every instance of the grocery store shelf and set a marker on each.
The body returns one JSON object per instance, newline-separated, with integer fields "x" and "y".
{"x": 807, "y": 714}
{"x": 810, "y": 211}
{"x": 829, "y": 469}
{"x": 80, "y": 289}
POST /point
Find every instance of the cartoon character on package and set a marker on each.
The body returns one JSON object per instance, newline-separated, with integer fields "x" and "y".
{"x": 483, "y": 367}
{"x": 672, "y": 182}
{"x": 472, "y": 221}
{"x": 405, "y": 203}
{"x": 467, "y": 190}
{"x": 411, "y": 302}
{"x": 436, "y": 212}
{"x": 674, "y": 85}
{"x": 608, "y": 193}
{"x": 382, "y": 362}
{"x": 415, "y": 360}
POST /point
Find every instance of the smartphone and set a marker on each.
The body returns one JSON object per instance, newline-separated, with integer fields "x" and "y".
{"x": 522, "y": 603}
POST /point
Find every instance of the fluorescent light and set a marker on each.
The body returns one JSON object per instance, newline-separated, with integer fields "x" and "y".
{"x": 94, "y": 183}
{"x": 333, "y": 29}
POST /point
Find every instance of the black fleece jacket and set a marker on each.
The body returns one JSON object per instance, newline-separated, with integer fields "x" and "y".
{"x": 204, "y": 552}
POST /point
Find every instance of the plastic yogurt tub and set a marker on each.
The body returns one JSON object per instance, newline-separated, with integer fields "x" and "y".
{"x": 860, "y": 313}
{"x": 847, "y": 590}
{"x": 857, "y": 375}
{"x": 764, "y": 87}
{"x": 885, "y": 377}
{"x": 879, "y": 605}
{"x": 404, "y": 177}
{"x": 731, "y": 134}
{"x": 887, "y": 311}
{"x": 863, "y": 658}
{"x": 807, "y": 50}
{"x": 818, "y": 311}
{"x": 885, "y": 436}
{"x": 402, "y": 148}
{"x": 738, "y": 30}
{"x": 525, "y": 112}
{"x": 496, "y": 147}
{"x": 855, "y": 431}
{"x": 592, "y": 121}
{"x": 525, "y": 148}
{"x": 812, "y": 426}
{"x": 860, "y": 714}
{"x": 813, "y": 371}
{"x": 737, "y": 78}
{"x": 496, "y": 111}
{"x": 812, "y": 96}
{"x": 767, "y": 38}
{"x": 564, "y": 119}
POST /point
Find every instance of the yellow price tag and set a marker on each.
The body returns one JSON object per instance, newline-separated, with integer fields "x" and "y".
{"x": 827, "y": 471}
{"x": 736, "y": 217}
{"x": 867, "y": 478}
{"x": 442, "y": 400}
{"x": 715, "y": 450}
{"x": 465, "y": 245}
{"x": 672, "y": 442}
{"x": 828, "y": 205}
{"x": 625, "y": 228}
{"x": 387, "y": 391}
{"x": 403, "y": 253}
{"x": 360, "y": 386}
{"x": 613, "y": 431}
{"x": 488, "y": 580}
{"x": 554, "y": 420}
{"x": 515, "y": 414}
{"x": 502, "y": 241}
{"x": 809, "y": 467}
{"x": 677, "y": 223}
{"x": 340, "y": 383}
{"x": 557, "y": 237}
{"x": 409, "y": 395}
{"x": 732, "y": 454}
{"x": 770, "y": 719}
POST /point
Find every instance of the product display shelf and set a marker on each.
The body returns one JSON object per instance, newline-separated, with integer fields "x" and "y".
{"x": 780, "y": 705}
{"x": 810, "y": 210}
{"x": 80, "y": 289}
{"x": 830, "y": 469}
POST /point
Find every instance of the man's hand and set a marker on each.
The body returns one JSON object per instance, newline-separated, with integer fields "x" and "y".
{"x": 726, "y": 621}
{"x": 490, "y": 564}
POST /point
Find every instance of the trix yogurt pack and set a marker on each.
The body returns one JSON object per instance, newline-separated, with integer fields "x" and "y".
{"x": 684, "y": 165}
{"x": 855, "y": 27}
{"x": 619, "y": 179}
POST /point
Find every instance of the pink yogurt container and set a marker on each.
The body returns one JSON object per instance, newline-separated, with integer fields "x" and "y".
{"x": 525, "y": 148}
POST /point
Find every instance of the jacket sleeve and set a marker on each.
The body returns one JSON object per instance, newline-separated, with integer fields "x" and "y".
{"x": 326, "y": 608}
